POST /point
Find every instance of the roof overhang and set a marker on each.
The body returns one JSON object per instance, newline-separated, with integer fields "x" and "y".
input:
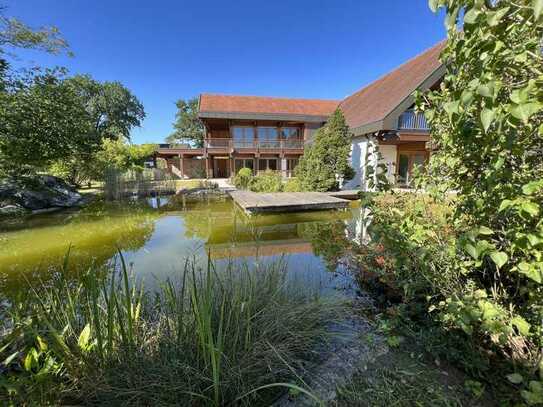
{"x": 262, "y": 116}
{"x": 390, "y": 121}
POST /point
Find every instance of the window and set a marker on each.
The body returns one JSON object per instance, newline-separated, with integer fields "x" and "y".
{"x": 243, "y": 137}
{"x": 267, "y": 164}
{"x": 292, "y": 137}
{"x": 268, "y": 137}
{"x": 243, "y": 163}
{"x": 291, "y": 165}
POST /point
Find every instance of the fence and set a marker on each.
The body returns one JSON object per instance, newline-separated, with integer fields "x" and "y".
{"x": 137, "y": 183}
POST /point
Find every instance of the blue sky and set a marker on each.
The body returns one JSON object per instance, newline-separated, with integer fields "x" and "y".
{"x": 164, "y": 50}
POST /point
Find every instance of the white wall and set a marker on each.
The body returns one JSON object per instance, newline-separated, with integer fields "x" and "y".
{"x": 359, "y": 154}
{"x": 359, "y": 149}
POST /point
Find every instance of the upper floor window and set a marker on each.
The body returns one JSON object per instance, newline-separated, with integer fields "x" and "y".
{"x": 268, "y": 137}
{"x": 290, "y": 133}
{"x": 243, "y": 136}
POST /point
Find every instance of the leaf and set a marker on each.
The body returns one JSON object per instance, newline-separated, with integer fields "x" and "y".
{"x": 487, "y": 117}
{"x": 532, "y": 187}
{"x": 483, "y": 230}
{"x": 10, "y": 358}
{"x": 493, "y": 18}
{"x": 471, "y": 16}
{"x": 531, "y": 271}
{"x": 525, "y": 111}
{"x": 515, "y": 378}
{"x": 84, "y": 337}
{"x": 538, "y": 8}
{"x": 530, "y": 208}
{"x": 506, "y": 203}
{"x": 522, "y": 325}
{"x": 472, "y": 251}
{"x": 499, "y": 258}
{"x": 42, "y": 344}
{"x": 434, "y": 5}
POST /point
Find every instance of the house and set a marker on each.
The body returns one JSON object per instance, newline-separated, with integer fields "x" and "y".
{"x": 268, "y": 133}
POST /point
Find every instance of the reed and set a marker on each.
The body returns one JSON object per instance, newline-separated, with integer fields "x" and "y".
{"x": 238, "y": 335}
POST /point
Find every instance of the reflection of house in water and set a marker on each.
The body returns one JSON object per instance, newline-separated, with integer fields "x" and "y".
{"x": 265, "y": 236}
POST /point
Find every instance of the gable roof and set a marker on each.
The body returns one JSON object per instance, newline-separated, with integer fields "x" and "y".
{"x": 255, "y": 107}
{"x": 367, "y": 110}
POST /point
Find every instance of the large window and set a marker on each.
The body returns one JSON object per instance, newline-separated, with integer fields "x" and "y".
{"x": 243, "y": 163}
{"x": 243, "y": 137}
{"x": 268, "y": 137}
{"x": 292, "y": 137}
{"x": 267, "y": 164}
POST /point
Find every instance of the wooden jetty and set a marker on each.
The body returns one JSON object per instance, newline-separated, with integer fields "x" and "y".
{"x": 350, "y": 194}
{"x": 253, "y": 202}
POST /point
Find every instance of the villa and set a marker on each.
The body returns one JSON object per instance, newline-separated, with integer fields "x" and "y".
{"x": 268, "y": 133}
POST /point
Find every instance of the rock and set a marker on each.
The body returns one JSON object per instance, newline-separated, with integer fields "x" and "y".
{"x": 12, "y": 210}
{"x": 36, "y": 193}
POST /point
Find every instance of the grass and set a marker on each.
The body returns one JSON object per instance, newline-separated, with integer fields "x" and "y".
{"x": 403, "y": 379}
{"x": 209, "y": 338}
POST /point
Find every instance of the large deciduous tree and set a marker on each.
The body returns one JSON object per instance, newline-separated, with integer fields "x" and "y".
{"x": 187, "y": 126}
{"x": 42, "y": 119}
{"x": 325, "y": 162}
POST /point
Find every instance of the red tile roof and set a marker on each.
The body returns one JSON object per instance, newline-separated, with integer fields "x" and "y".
{"x": 210, "y": 103}
{"x": 375, "y": 101}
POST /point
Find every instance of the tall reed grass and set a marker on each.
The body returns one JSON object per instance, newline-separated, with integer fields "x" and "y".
{"x": 212, "y": 338}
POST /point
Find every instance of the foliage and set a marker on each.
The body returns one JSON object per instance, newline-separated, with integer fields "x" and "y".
{"x": 15, "y": 33}
{"x": 268, "y": 181}
{"x": 243, "y": 178}
{"x": 187, "y": 125}
{"x": 59, "y": 125}
{"x": 486, "y": 121}
{"x": 113, "y": 110}
{"x": 213, "y": 338}
{"x": 325, "y": 163}
{"x": 117, "y": 154}
{"x": 292, "y": 185}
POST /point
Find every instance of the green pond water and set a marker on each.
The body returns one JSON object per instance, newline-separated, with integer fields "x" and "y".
{"x": 156, "y": 237}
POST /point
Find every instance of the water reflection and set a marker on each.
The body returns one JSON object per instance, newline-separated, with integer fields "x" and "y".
{"x": 157, "y": 241}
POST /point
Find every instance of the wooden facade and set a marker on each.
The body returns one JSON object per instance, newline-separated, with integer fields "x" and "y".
{"x": 233, "y": 144}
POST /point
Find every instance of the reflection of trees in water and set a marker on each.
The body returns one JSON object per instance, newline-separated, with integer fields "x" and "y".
{"x": 328, "y": 240}
{"x": 92, "y": 237}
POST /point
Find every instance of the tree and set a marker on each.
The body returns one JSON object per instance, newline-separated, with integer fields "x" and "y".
{"x": 112, "y": 108}
{"x": 16, "y": 34}
{"x": 42, "y": 119}
{"x": 187, "y": 126}
{"x": 486, "y": 121}
{"x": 326, "y": 162}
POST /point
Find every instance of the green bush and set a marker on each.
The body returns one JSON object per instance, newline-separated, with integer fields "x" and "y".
{"x": 243, "y": 178}
{"x": 268, "y": 181}
{"x": 292, "y": 185}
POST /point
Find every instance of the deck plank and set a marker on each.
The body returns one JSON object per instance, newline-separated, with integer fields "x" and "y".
{"x": 253, "y": 202}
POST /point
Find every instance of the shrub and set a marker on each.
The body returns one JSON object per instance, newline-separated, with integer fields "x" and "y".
{"x": 292, "y": 185}
{"x": 268, "y": 181}
{"x": 243, "y": 178}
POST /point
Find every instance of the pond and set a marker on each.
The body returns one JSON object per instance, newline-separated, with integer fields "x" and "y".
{"x": 156, "y": 238}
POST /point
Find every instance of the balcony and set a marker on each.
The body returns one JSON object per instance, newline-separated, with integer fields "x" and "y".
{"x": 413, "y": 121}
{"x": 230, "y": 145}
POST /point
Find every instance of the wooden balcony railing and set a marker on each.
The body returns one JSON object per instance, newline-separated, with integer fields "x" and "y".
{"x": 411, "y": 120}
{"x": 230, "y": 144}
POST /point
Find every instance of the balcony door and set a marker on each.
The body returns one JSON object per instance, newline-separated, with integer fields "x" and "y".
{"x": 244, "y": 137}
{"x": 268, "y": 137}
{"x": 407, "y": 161}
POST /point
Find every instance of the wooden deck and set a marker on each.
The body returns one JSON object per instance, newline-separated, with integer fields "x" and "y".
{"x": 253, "y": 202}
{"x": 350, "y": 194}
